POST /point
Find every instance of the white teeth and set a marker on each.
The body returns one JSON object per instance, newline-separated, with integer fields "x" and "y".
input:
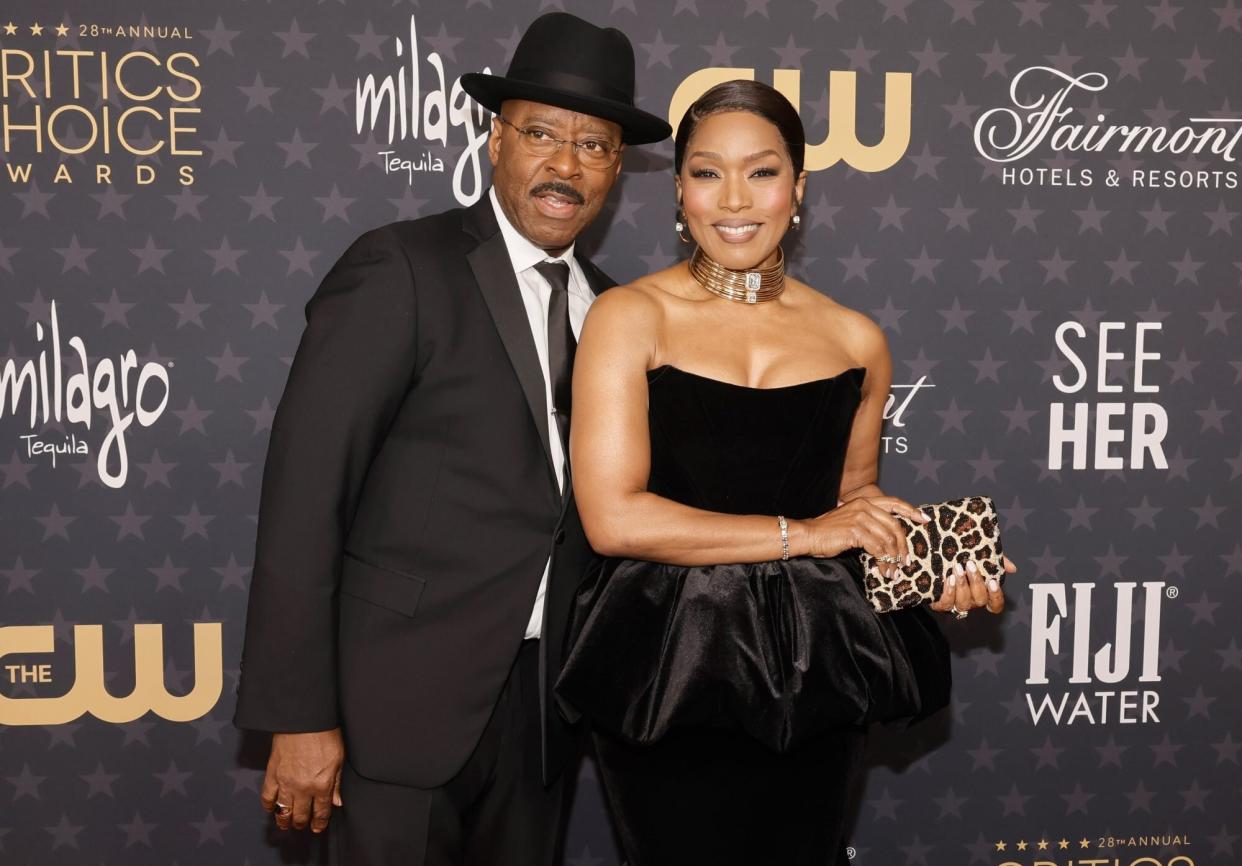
{"x": 738, "y": 230}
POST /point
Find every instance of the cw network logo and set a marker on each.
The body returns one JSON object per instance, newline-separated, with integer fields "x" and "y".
{"x": 841, "y": 143}
{"x": 89, "y": 692}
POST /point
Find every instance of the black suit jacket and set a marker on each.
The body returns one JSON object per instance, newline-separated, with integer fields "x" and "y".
{"x": 409, "y": 505}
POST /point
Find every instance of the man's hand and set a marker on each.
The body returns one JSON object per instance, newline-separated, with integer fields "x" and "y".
{"x": 303, "y": 780}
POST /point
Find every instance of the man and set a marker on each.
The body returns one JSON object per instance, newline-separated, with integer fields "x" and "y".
{"x": 418, "y": 545}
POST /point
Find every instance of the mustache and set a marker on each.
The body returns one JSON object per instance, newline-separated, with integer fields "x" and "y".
{"x": 560, "y": 188}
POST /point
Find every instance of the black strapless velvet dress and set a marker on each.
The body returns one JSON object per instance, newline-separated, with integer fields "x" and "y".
{"x": 729, "y": 702}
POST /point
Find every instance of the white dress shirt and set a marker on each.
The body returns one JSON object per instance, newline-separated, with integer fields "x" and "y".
{"x": 535, "y": 296}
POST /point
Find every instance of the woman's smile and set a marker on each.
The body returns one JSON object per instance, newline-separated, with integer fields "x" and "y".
{"x": 736, "y": 231}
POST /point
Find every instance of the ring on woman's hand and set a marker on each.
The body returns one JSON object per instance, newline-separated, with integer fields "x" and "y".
{"x": 959, "y": 614}
{"x": 283, "y": 809}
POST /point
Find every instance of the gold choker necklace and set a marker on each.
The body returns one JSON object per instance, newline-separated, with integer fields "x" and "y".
{"x": 752, "y": 287}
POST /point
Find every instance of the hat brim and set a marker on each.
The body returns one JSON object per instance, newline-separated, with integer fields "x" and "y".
{"x": 637, "y": 126}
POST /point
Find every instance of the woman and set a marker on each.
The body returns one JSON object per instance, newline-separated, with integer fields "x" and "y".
{"x": 716, "y": 425}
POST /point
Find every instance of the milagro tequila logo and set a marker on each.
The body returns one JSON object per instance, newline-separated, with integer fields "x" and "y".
{"x": 121, "y": 389}
{"x": 398, "y": 105}
{"x": 1042, "y": 117}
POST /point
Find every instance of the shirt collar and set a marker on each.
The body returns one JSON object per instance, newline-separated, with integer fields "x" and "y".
{"x": 522, "y": 253}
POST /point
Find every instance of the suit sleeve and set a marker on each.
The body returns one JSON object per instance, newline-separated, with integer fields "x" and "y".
{"x": 353, "y": 367}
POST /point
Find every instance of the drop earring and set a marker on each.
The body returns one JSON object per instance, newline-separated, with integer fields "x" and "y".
{"x": 680, "y": 227}
{"x": 795, "y": 222}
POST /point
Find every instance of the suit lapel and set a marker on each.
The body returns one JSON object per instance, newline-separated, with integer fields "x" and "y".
{"x": 596, "y": 279}
{"x": 493, "y": 272}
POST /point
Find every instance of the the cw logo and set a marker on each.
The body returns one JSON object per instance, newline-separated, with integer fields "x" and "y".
{"x": 89, "y": 693}
{"x": 842, "y": 141}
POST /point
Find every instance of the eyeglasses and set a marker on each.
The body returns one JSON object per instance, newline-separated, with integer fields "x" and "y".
{"x": 592, "y": 152}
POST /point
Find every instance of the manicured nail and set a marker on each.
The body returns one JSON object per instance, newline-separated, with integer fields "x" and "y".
{"x": 926, "y": 517}
{"x": 909, "y": 559}
{"x": 970, "y": 566}
{"x": 957, "y": 566}
{"x": 993, "y": 584}
{"x": 952, "y": 579}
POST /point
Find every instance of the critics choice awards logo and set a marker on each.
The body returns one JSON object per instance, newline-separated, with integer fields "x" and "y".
{"x": 98, "y": 104}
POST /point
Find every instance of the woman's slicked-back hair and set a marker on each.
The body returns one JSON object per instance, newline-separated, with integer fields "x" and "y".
{"x": 751, "y": 96}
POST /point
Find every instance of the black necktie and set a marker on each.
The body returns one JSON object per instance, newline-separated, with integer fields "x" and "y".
{"x": 561, "y": 346}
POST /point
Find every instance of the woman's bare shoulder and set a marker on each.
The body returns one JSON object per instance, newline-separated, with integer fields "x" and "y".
{"x": 854, "y": 321}
{"x": 628, "y": 302}
{"x": 647, "y": 297}
{"x": 861, "y": 335}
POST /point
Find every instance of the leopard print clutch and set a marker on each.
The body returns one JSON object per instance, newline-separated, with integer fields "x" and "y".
{"x": 960, "y": 530}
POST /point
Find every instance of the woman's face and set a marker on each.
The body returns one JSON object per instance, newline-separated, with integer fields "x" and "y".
{"x": 737, "y": 189}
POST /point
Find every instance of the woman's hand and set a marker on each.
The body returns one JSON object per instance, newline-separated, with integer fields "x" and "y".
{"x": 965, "y": 589}
{"x": 865, "y": 522}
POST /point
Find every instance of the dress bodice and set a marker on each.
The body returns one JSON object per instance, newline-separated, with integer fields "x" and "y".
{"x": 742, "y": 450}
{"x": 783, "y": 650}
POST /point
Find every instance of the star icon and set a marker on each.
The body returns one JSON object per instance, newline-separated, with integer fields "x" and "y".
{"x": 55, "y": 524}
{"x": 100, "y": 782}
{"x": 294, "y": 40}
{"x": 65, "y": 834}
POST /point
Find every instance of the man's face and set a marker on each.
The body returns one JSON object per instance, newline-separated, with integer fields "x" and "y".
{"x": 550, "y": 199}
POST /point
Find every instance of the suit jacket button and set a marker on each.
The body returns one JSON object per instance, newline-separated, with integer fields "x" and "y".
{"x": 559, "y": 538}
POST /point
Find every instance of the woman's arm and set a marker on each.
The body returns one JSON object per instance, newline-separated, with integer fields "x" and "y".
{"x": 862, "y": 457}
{"x": 965, "y": 588}
{"x": 611, "y": 458}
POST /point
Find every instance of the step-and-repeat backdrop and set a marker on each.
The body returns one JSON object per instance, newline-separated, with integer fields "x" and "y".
{"x": 1038, "y": 201}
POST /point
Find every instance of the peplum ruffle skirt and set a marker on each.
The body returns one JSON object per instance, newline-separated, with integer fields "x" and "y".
{"x": 783, "y": 651}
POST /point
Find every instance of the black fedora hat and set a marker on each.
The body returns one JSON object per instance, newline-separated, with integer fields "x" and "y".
{"x": 570, "y": 63}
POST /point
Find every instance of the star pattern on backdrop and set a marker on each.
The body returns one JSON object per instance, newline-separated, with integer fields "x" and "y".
{"x": 967, "y": 276}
